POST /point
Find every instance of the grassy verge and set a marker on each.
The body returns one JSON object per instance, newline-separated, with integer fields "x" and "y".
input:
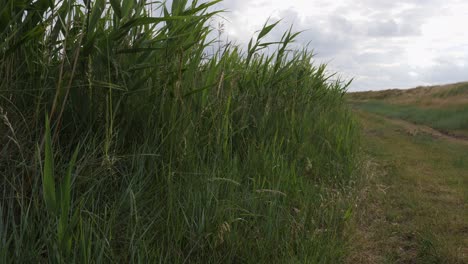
{"x": 122, "y": 141}
{"x": 413, "y": 206}
{"x": 450, "y": 120}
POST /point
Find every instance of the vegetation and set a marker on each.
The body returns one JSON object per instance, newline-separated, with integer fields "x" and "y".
{"x": 441, "y": 107}
{"x": 458, "y": 89}
{"x": 447, "y": 120}
{"x": 122, "y": 141}
{"x": 412, "y": 204}
{"x": 419, "y": 95}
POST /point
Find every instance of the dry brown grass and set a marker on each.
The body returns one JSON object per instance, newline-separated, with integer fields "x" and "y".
{"x": 438, "y": 96}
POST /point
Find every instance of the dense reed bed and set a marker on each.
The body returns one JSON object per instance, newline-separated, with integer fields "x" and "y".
{"x": 123, "y": 140}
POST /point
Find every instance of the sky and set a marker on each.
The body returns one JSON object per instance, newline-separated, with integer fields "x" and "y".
{"x": 381, "y": 44}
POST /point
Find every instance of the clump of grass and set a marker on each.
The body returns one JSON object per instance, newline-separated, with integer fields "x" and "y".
{"x": 185, "y": 157}
{"x": 456, "y": 90}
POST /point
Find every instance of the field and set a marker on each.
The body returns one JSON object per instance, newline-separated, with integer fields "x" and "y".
{"x": 413, "y": 200}
{"x": 122, "y": 140}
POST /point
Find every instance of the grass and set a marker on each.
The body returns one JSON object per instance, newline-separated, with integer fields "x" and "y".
{"x": 184, "y": 157}
{"x": 421, "y": 95}
{"x": 452, "y": 119}
{"x": 412, "y": 205}
{"x": 458, "y": 89}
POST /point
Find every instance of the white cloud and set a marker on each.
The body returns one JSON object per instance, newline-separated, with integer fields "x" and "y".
{"x": 381, "y": 43}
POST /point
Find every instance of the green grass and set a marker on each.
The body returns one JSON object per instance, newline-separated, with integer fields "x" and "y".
{"x": 183, "y": 157}
{"x": 412, "y": 206}
{"x": 447, "y": 119}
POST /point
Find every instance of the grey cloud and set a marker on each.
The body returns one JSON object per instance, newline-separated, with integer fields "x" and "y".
{"x": 446, "y": 71}
{"x": 233, "y": 5}
{"x": 391, "y": 28}
{"x": 342, "y": 24}
{"x": 326, "y": 38}
{"x": 398, "y": 18}
{"x": 386, "y": 5}
{"x": 377, "y": 77}
{"x": 383, "y": 56}
{"x": 368, "y": 47}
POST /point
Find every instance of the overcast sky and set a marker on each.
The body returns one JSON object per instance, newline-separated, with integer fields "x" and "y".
{"x": 380, "y": 43}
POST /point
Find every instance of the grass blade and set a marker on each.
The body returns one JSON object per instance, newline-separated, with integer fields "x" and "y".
{"x": 48, "y": 181}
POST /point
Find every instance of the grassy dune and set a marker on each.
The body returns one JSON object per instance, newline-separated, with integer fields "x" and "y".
{"x": 122, "y": 141}
{"x": 441, "y": 107}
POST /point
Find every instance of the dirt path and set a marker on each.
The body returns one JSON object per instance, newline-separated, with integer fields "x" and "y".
{"x": 413, "y": 206}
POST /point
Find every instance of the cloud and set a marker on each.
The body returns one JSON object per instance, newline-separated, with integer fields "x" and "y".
{"x": 391, "y": 27}
{"x": 447, "y": 70}
{"x": 379, "y": 43}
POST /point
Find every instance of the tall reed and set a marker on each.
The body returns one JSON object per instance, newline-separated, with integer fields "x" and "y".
{"x": 234, "y": 157}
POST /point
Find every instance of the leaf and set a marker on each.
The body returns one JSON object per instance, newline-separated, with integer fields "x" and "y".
{"x": 136, "y": 50}
{"x": 203, "y": 6}
{"x": 116, "y": 6}
{"x": 65, "y": 187}
{"x": 48, "y": 182}
{"x": 178, "y": 6}
{"x": 153, "y": 20}
{"x": 348, "y": 214}
{"x": 5, "y": 17}
{"x": 59, "y": 25}
{"x": 35, "y": 32}
{"x": 142, "y": 21}
{"x": 266, "y": 29}
{"x": 127, "y": 6}
{"x": 269, "y": 43}
{"x": 96, "y": 13}
{"x": 198, "y": 90}
{"x": 63, "y": 231}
